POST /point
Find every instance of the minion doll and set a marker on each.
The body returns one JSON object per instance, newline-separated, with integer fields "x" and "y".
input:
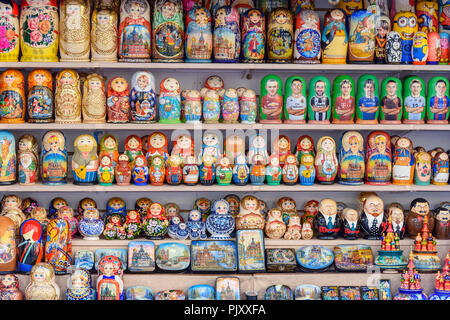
{"x": 405, "y": 23}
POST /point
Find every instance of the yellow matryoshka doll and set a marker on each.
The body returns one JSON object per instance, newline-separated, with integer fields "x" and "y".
{"x": 12, "y": 97}
{"x": 40, "y": 96}
{"x": 75, "y": 28}
{"x": 68, "y": 97}
{"x": 39, "y": 29}
{"x": 280, "y": 36}
{"x": 94, "y": 99}
{"x": 9, "y": 31}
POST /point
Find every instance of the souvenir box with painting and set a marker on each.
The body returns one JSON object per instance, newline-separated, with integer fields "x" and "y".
{"x": 227, "y": 288}
{"x": 278, "y": 292}
{"x": 141, "y": 256}
{"x": 330, "y": 293}
{"x": 281, "y": 260}
{"x": 213, "y": 256}
{"x": 139, "y": 293}
{"x": 308, "y": 292}
{"x": 250, "y": 245}
{"x": 170, "y": 295}
{"x": 352, "y": 257}
{"x": 369, "y": 293}
{"x": 314, "y": 258}
{"x": 121, "y": 254}
{"x": 202, "y": 292}
{"x": 349, "y": 293}
{"x": 84, "y": 259}
{"x": 172, "y": 257}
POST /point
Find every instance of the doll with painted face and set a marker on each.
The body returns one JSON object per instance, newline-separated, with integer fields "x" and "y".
{"x": 143, "y": 97}
{"x": 257, "y": 170}
{"x": 230, "y": 106}
{"x": 133, "y": 147}
{"x": 273, "y": 170}
{"x": 196, "y": 226}
{"x": 405, "y": 23}
{"x": 12, "y": 95}
{"x": 55, "y": 205}
{"x": 155, "y": 223}
{"x": 334, "y": 37}
{"x": 122, "y": 170}
{"x": 248, "y": 107}
{"x": 94, "y": 99}
{"x": 442, "y": 223}
{"x": 305, "y": 145}
{"x": 419, "y": 209}
{"x": 290, "y": 170}
{"x": 85, "y": 160}
{"x": 234, "y": 145}
{"x": 43, "y": 285}
{"x": 190, "y": 171}
{"x": 288, "y": 208}
{"x": 183, "y": 146}
{"x": 220, "y": 223}
{"x": 351, "y": 159}
{"x": 378, "y": 158}
{"x": 310, "y": 210}
{"x": 253, "y": 35}
{"x": 393, "y": 48}
{"x": 9, "y": 11}
{"x": 211, "y": 106}
{"x": 257, "y": 146}
{"x": 40, "y": 214}
{"x": 319, "y": 100}
{"x": 438, "y": 102}
{"x": 282, "y": 147}
{"x": 207, "y": 170}
{"x": 192, "y": 107}
{"x": 110, "y": 284}
{"x": 198, "y": 42}
{"x": 350, "y": 227}
{"x": 294, "y": 229}
{"x": 83, "y": 205}
{"x": 403, "y": 162}
{"x": 109, "y": 146}
{"x": 440, "y": 168}
{"x": 169, "y": 101}
{"x": 241, "y": 171}
{"x": 157, "y": 145}
{"x": 174, "y": 173}
{"x": 104, "y": 34}
{"x": 326, "y": 161}
{"x": 68, "y": 97}
{"x": 271, "y": 99}
{"x": 414, "y": 100}
{"x": 105, "y": 171}
{"x": 118, "y": 100}
{"x": 116, "y": 205}
{"x": 422, "y": 169}
{"x": 140, "y": 171}
{"x": 211, "y": 146}
{"x": 9, "y": 287}
{"x": 372, "y": 220}
{"x": 391, "y": 101}
{"x": 295, "y": 106}
{"x": 249, "y": 216}
{"x": 275, "y": 227}
{"x": 67, "y": 214}
{"x": 224, "y": 171}
{"x": 307, "y": 48}
{"x": 343, "y": 102}
{"x": 367, "y": 99}
{"x": 227, "y": 35}
{"x": 307, "y": 170}
{"x": 27, "y": 156}
{"x": 157, "y": 170}
{"x": 327, "y": 222}
{"x": 40, "y": 96}
{"x": 397, "y": 219}
{"x": 382, "y": 28}
{"x": 280, "y": 35}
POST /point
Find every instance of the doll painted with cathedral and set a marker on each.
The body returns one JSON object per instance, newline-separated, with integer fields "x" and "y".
{"x": 118, "y": 100}
{"x": 319, "y": 100}
{"x": 414, "y": 98}
{"x": 391, "y": 107}
{"x": 405, "y": 23}
{"x": 351, "y": 159}
{"x": 343, "y": 102}
{"x": 271, "y": 99}
{"x": 168, "y": 31}
{"x": 378, "y": 158}
{"x": 307, "y": 47}
{"x": 94, "y": 99}
{"x": 27, "y": 156}
{"x": 40, "y": 96}
{"x": 253, "y": 36}
{"x": 143, "y": 97}
{"x": 7, "y": 158}
{"x": 39, "y": 30}
{"x": 227, "y": 35}
{"x": 12, "y": 97}
{"x": 367, "y": 100}
{"x": 438, "y": 101}
{"x": 9, "y": 20}
{"x": 280, "y": 36}
{"x": 198, "y": 37}
{"x": 135, "y": 31}
{"x": 75, "y": 29}
{"x": 326, "y": 161}
{"x": 110, "y": 284}
{"x": 295, "y": 106}
{"x": 68, "y": 97}
{"x": 104, "y": 35}
{"x": 169, "y": 101}
{"x": 54, "y": 158}
{"x": 334, "y": 37}
{"x": 85, "y": 160}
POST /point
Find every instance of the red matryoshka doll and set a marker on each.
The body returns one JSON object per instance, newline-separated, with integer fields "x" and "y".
{"x": 174, "y": 173}
{"x": 85, "y": 160}
{"x": 253, "y": 36}
{"x": 168, "y": 31}
{"x": 183, "y": 146}
{"x": 282, "y": 147}
{"x": 427, "y": 15}
{"x": 271, "y": 99}
{"x": 68, "y": 97}
{"x": 422, "y": 169}
{"x": 122, "y": 171}
{"x": 27, "y": 156}
{"x": 58, "y": 247}
{"x": 105, "y": 171}
{"x": 157, "y": 170}
{"x": 334, "y": 37}
{"x": 39, "y": 30}
{"x": 12, "y": 97}
{"x": 307, "y": 47}
{"x": 8, "y": 243}
{"x": 118, "y": 100}
{"x": 134, "y": 31}
{"x": 198, "y": 36}
{"x": 351, "y": 159}
{"x": 40, "y": 96}
{"x": 133, "y": 147}
{"x": 9, "y": 287}
{"x": 305, "y": 145}
{"x": 280, "y": 36}
{"x": 290, "y": 170}
{"x": 109, "y": 146}
{"x": 54, "y": 158}
{"x": 140, "y": 171}
{"x": 157, "y": 145}
{"x": 403, "y": 162}
{"x": 310, "y": 210}
{"x": 9, "y": 47}
{"x": 326, "y": 161}
{"x": 361, "y": 37}
{"x": 440, "y": 169}
{"x": 94, "y": 99}
{"x": 227, "y": 35}
{"x": 434, "y": 47}
{"x": 110, "y": 284}
{"x": 378, "y": 158}
{"x": 445, "y": 40}
{"x": 382, "y": 28}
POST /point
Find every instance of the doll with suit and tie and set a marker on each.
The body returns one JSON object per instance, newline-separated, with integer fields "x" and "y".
{"x": 372, "y": 221}
{"x": 350, "y": 230}
{"x": 327, "y": 222}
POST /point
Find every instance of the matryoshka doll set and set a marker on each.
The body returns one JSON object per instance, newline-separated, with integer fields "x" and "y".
{"x": 227, "y": 35}
{"x": 253, "y": 36}
{"x": 12, "y": 96}
{"x": 40, "y": 96}
{"x": 27, "y": 158}
{"x": 198, "y": 36}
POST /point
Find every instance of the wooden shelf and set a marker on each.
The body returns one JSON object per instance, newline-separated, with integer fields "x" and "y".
{"x": 69, "y": 187}
{"x": 264, "y": 67}
{"x": 222, "y": 126}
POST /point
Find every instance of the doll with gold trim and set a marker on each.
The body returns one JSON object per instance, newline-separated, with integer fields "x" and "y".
{"x": 68, "y": 97}
{"x": 40, "y": 96}
{"x": 94, "y": 99}
{"x": 12, "y": 97}
{"x": 104, "y": 35}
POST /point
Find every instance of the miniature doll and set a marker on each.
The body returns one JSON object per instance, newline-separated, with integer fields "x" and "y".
{"x": 419, "y": 209}
{"x": 143, "y": 97}
{"x": 224, "y": 171}
{"x": 288, "y": 208}
{"x": 403, "y": 162}
{"x": 155, "y": 222}
{"x": 211, "y": 145}
{"x": 132, "y": 225}
{"x": 174, "y": 173}
{"x": 122, "y": 171}
{"x": 157, "y": 145}
{"x": 203, "y": 206}
{"x": 169, "y": 101}
{"x": 257, "y": 170}
{"x": 157, "y": 170}
{"x": 442, "y": 223}
{"x": 257, "y": 146}
{"x": 326, "y": 160}
{"x": 183, "y": 146}
{"x": 241, "y": 171}
{"x": 307, "y": 171}
{"x": 190, "y": 171}
{"x": 142, "y": 205}
{"x": 250, "y": 216}
{"x": 94, "y": 99}
{"x": 91, "y": 226}
{"x": 42, "y": 285}
{"x": 305, "y": 145}
{"x": 133, "y": 147}
{"x": 105, "y": 171}
{"x": 110, "y": 285}
{"x": 275, "y": 226}
{"x": 140, "y": 171}
{"x": 230, "y": 106}
{"x": 220, "y": 223}
{"x": 207, "y": 170}
{"x": 109, "y": 146}
{"x": 67, "y": 214}
{"x": 85, "y": 160}
{"x": 80, "y": 286}
{"x": 351, "y": 158}
{"x": 9, "y": 287}
{"x": 273, "y": 170}
{"x": 196, "y": 226}
{"x": 310, "y": 210}
{"x": 27, "y": 156}
{"x": 53, "y": 158}
{"x": 290, "y": 170}
{"x": 282, "y": 147}
{"x": 350, "y": 228}
{"x": 294, "y": 228}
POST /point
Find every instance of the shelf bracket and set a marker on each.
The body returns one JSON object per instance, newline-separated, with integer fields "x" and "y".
{"x": 247, "y": 74}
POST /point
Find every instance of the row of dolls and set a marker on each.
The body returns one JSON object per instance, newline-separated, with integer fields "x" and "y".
{"x": 384, "y": 160}
{"x": 237, "y": 32}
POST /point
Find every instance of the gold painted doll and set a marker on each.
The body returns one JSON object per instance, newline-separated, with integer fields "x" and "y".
{"x": 68, "y": 97}
{"x": 94, "y": 99}
{"x": 104, "y": 35}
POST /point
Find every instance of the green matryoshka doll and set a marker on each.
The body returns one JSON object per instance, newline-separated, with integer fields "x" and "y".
{"x": 295, "y": 106}
{"x": 319, "y": 100}
{"x": 271, "y": 99}
{"x": 367, "y": 99}
{"x": 391, "y": 107}
{"x": 343, "y": 102}
{"x": 414, "y": 100}
{"x": 438, "y": 100}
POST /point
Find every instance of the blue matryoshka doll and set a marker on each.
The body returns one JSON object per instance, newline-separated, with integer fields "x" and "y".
{"x": 54, "y": 158}
{"x": 211, "y": 146}
{"x": 143, "y": 97}
{"x": 196, "y": 226}
{"x": 116, "y": 205}
{"x": 169, "y": 101}
{"x": 220, "y": 223}
{"x": 227, "y": 35}
{"x": 258, "y": 145}
{"x": 8, "y": 158}
{"x": 55, "y": 205}
{"x": 241, "y": 171}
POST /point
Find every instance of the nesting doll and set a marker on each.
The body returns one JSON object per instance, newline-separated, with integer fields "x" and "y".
{"x": 280, "y": 36}
{"x": 105, "y": 171}
{"x": 135, "y": 31}
{"x": 9, "y": 20}
{"x": 422, "y": 169}
{"x": 367, "y": 99}
{"x": 122, "y": 171}
{"x": 438, "y": 100}
{"x": 326, "y": 161}
{"x": 234, "y": 145}
{"x": 281, "y": 147}
{"x": 434, "y": 48}
{"x": 12, "y": 97}
{"x": 319, "y": 100}
{"x": 104, "y": 35}
{"x": 343, "y": 102}
{"x": 393, "y": 48}
{"x": 157, "y": 145}
{"x": 271, "y": 99}
{"x": 295, "y": 106}
{"x": 382, "y": 28}
{"x": 94, "y": 99}
{"x": 58, "y": 247}
{"x": 419, "y": 51}
{"x": 350, "y": 229}
{"x": 192, "y": 107}
{"x": 427, "y": 15}
{"x": 361, "y": 37}
{"x": 378, "y": 158}
{"x": 275, "y": 226}
{"x": 183, "y": 146}
{"x": 28, "y": 205}
{"x": 227, "y": 35}
{"x": 75, "y": 29}
{"x": 307, "y": 44}
{"x": 143, "y": 97}
{"x": 445, "y": 41}
{"x": 169, "y": 101}
{"x": 241, "y": 171}
{"x": 273, "y": 170}
{"x": 257, "y": 170}
{"x": 67, "y": 214}
{"x": 250, "y": 216}
{"x": 207, "y": 170}
{"x": 110, "y": 284}
{"x": 253, "y": 36}
{"x": 442, "y": 223}
{"x": 372, "y": 220}
{"x": 257, "y": 146}
{"x": 157, "y": 170}
{"x": 53, "y": 158}
{"x": 9, "y": 287}
{"x": 40, "y": 96}
{"x": 351, "y": 158}
{"x": 414, "y": 100}
{"x": 198, "y": 36}
{"x": 174, "y": 173}
{"x": 211, "y": 107}
{"x": 39, "y": 30}
{"x": 405, "y": 23}
{"x": 118, "y": 100}
{"x": 290, "y": 170}
{"x": 42, "y": 284}
{"x": 190, "y": 171}
{"x": 306, "y": 170}
{"x": 68, "y": 97}
{"x": 8, "y": 169}
{"x": 211, "y": 145}
{"x": 230, "y": 106}
{"x": 56, "y": 204}
{"x": 27, "y": 156}
{"x": 133, "y": 147}
{"x": 8, "y": 242}
{"x": 419, "y": 209}
{"x": 224, "y": 171}
{"x": 140, "y": 172}
{"x": 327, "y": 222}
{"x": 391, "y": 107}
{"x": 305, "y": 145}
{"x": 444, "y": 16}
{"x": 85, "y": 160}
{"x": 334, "y": 37}
{"x": 440, "y": 168}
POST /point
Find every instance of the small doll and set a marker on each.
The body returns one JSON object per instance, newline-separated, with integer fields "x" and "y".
{"x": 290, "y": 170}
{"x": 350, "y": 229}
{"x": 42, "y": 285}
{"x": 177, "y": 229}
{"x": 307, "y": 231}
{"x": 105, "y": 171}
{"x": 85, "y": 160}
{"x": 157, "y": 171}
{"x": 157, "y": 145}
{"x": 211, "y": 146}
{"x": 190, "y": 171}
{"x": 288, "y": 208}
{"x": 122, "y": 171}
{"x": 183, "y": 146}
{"x": 241, "y": 171}
{"x": 118, "y": 100}
{"x": 310, "y": 210}
{"x": 224, "y": 171}
{"x": 116, "y": 205}
{"x": 372, "y": 220}
{"x": 442, "y": 223}
{"x": 91, "y": 226}
{"x": 282, "y": 147}
{"x": 230, "y": 106}
{"x": 327, "y": 222}
{"x": 174, "y": 171}
{"x": 133, "y": 147}
{"x": 211, "y": 107}
{"x": 294, "y": 228}
{"x": 305, "y": 145}
{"x": 94, "y": 99}
{"x": 155, "y": 223}
{"x": 196, "y": 226}
{"x": 142, "y": 205}
{"x": 27, "y": 158}
{"x": 114, "y": 228}
{"x": 257, "y": 146}
{"x": 140, "y": 171}
{"x": 257, "y": 169}
{"x": 192, "y": 106}
{"x": 326, "y": 161}
{"x": 67, "y": 214}
{"x": 275, "y": 226}
{"x": 273, "y": 170}
{"x": 250, "y": 216}
{"x": 109, "y": 146}
{"x": 422, "y": 169}
{"x": 233, "y": 200}
{"x": 28, "y": 205}
{"x": 203, "y": 206}
{"x": 169, "y": 101}
{"x": 207, "y": 170}
{"x": 249, "y": 107}
{"x": 55, "y": 205}
{"x": 307, "y": 171}
{"x": 9, "y": 202}
{"x": 9, "y": 287}
{"x": 171, "y": 210}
